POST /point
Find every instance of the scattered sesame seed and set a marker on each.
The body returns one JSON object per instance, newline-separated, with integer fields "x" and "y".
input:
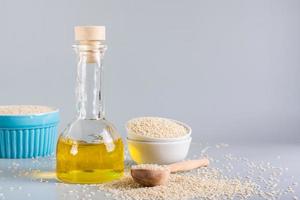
{"x": 228, "y": 177}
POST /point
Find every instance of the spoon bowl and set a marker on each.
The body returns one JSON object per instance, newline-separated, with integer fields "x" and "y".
{"x": 150, "y": 178}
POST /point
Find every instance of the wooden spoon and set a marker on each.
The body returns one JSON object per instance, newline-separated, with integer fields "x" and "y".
{"x": 154, "y": 177}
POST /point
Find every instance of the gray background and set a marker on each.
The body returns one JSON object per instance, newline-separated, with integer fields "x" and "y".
{"x": 230, "y": 69}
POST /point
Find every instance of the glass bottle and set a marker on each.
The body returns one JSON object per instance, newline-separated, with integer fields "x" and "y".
{"x": 89, "y": 150}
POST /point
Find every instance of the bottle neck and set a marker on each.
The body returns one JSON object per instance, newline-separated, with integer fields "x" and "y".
{"x": 89, "y": 91}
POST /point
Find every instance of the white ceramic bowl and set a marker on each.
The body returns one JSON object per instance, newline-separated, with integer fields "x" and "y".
{"x": 158, "y": 152}
{"x": 133, "y": 136}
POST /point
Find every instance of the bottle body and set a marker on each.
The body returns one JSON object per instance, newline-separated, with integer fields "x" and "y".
{"x": 90, "y": 149}
{"x": 97, "y": 159}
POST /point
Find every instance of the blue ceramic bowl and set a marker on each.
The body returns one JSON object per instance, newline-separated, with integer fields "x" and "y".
{"x": 28, "y": 136}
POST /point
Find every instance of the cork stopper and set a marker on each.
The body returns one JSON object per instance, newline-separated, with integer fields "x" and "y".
{"x": 89, "y": 33}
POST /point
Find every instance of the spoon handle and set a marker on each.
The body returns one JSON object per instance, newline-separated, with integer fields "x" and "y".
{"x": 188, "y": 165}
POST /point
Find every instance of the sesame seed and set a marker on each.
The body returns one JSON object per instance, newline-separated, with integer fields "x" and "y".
{"x": 23, "y": 109}
{"x": 150, "y": 167}
{"x": 156, "y": 127}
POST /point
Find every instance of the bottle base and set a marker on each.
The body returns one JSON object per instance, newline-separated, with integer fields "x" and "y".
{"x": 90, "y": 176}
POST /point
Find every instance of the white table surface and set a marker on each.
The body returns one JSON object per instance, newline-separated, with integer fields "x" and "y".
{"x": 21, "y": 179}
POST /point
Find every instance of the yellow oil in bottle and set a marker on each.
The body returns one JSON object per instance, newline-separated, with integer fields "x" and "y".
{"x": 80, "y": 162}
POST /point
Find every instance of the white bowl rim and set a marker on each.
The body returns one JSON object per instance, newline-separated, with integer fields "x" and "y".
{"x": 153, "y": 139}
{"x": 164, "y": 142}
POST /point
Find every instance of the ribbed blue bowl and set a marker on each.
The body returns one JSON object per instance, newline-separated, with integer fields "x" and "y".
{"x": 28, "y": 136}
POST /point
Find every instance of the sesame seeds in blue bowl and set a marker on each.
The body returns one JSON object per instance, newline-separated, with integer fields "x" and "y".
{"x": 27, "y": 131}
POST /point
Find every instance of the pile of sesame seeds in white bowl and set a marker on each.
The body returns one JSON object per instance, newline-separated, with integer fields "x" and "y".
{"x": 157, "y": 129}
{"x": 157, "y": 140}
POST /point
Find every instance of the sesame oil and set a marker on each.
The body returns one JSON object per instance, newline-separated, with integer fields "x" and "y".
{"x": 82, "y": 162}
